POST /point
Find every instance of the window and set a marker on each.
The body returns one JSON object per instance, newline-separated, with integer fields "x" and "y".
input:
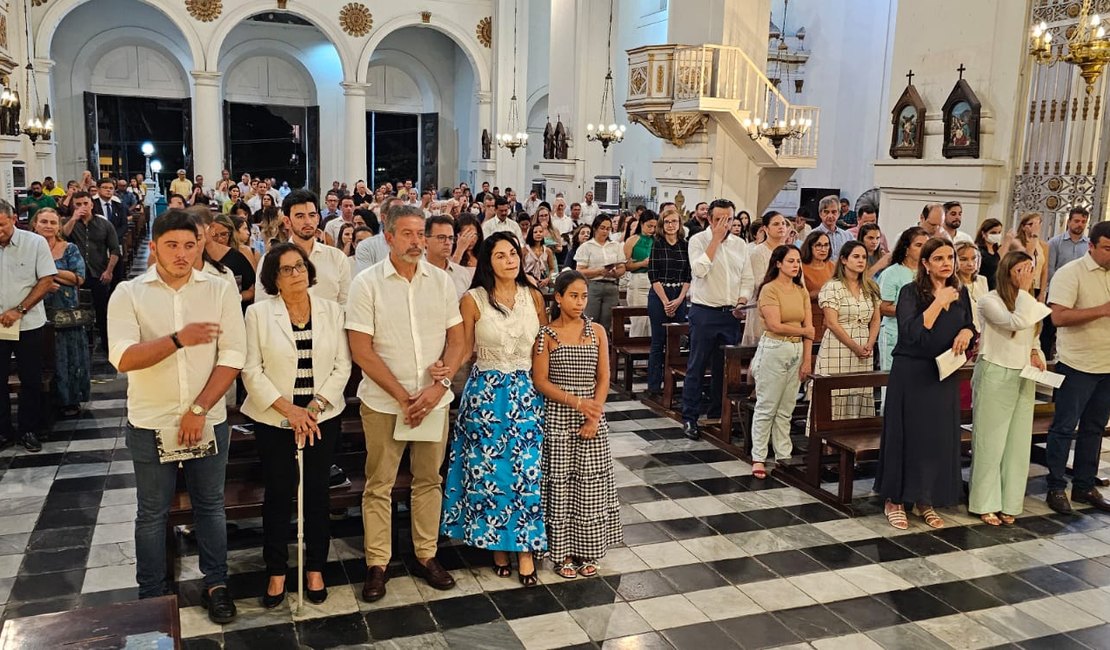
{"x": 393, "y": 147}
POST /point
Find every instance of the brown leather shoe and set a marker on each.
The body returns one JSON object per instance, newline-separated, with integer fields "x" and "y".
{"x": 434, "y": 574}
{"x": 374, "y": 587}
{"x": 1091, "y": 497}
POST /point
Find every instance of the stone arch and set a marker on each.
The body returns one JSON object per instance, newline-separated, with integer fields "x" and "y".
{"x": 463, "y": 39}
{"x": 416, "y": 71}
{"x": 267, "y": 48}
{"x": 235, "y": 17}
{"x": 105, "y": 43}
{"x": 58, "y": 10}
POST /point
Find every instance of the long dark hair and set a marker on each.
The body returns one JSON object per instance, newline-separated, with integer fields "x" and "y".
{"x": 777, "y": 256}
{"x": 922, "y": 281}
{"x": 904, "y": 241}
{"x": 562, "y": 281}
{"x": 483, "y": 273}
{"x": 468, "y": 220}
{"x": 985, "y": 227}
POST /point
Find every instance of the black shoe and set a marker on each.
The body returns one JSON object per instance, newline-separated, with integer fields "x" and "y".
{"x": 1058, "y": 501}
{"x": 316, "y": 596}
{"x": 30, "y": 442}
{"x": 691, "y": 430}
{"x": 270, "y": 602}
{"x": 337, "y": 478}
{"x": 1091, "y": 497}
{"x": 220, "y": 606}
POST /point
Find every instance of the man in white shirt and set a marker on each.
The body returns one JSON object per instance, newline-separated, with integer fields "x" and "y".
{"x": 245, "y": 184}
{"x": 439, "y": 233}
{"x": 346, "y": 215}
{"x": 406, "y": 335}
{"x": 501, "y": 221}
{"x": 561, "y": 220}
{"x": 721, "y": 284}
{"x": 333, "y": 270}
{"x": 589, "y": 208}
{"x": 953, "y": 219}
{"x": 532, "y": 204}
{"x": 1080, "y": 301}
{"x": 178, "y": 333}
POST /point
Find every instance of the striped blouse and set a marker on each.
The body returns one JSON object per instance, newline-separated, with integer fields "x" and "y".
{"x": 303, "y": 385}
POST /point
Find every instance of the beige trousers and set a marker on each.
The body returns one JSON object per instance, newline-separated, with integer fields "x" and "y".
{"x": 383, "y": 457}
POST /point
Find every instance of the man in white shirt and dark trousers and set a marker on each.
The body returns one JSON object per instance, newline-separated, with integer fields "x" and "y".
{"x": 178, "y": 333}
{"x": 406, "y": 335}
{"x": 1080, "y": 301}
{"x": 721, "y": 283}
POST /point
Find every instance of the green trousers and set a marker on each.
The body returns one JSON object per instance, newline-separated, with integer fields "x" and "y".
{"x": 1002, "y": 430}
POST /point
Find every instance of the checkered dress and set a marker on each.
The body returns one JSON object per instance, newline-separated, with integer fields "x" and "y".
{"x": 579, "y": 493}
{"x": 854, "y": 315}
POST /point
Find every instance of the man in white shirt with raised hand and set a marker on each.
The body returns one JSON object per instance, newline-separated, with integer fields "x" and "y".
{"x": 406, "y": 335}
{"x": 178, "y": 333}
{"x": 333, "y": 270}
{"x": 721, "y": 284}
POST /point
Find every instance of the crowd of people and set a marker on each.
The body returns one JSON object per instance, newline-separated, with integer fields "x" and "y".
{"x": 264, "y": 298}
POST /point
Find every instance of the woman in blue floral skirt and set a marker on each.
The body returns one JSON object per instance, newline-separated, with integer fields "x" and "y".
{"x": 492, "y": 498}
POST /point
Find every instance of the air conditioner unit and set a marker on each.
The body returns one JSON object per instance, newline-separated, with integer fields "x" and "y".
{"x": 607, "y": 192}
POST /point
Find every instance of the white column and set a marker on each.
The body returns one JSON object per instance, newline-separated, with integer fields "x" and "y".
{"x": 45, "y": 149}
{"x": 208, "y": 125}
{"x": 354, "y": 135}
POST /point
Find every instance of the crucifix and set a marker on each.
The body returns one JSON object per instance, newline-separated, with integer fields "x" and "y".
{"x": 909, "y": 78}
{"x": 961, "y": 70}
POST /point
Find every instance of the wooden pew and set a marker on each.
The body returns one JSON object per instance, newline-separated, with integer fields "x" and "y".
{"x": 626, "y": 347}
{"x": 737, "y": 392}
{"x": 675, "y": 357}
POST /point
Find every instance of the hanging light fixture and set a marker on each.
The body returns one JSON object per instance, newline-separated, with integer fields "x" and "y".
{"x": 776, "y": 132}
{"x": 39, "y": 124}
{"x": 607, "y": 131}
{"x": 1087, "y": 47}
{"x": 514, "y": 137}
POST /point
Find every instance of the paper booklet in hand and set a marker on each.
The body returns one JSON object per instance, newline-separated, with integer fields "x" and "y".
{"x": 948, "y": 363}
{"x": 430, "y": 429}
{"x": 172, "y": 451}
{"x": 1042, "y": 376}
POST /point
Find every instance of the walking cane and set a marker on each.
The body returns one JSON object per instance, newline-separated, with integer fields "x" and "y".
{"x": 300, "y": 528}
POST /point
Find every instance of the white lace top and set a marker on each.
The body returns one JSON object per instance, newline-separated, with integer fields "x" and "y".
{"x": 504, "y": 341}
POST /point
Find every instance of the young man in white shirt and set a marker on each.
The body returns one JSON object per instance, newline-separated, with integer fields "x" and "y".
{"x": 589, "y": 208}
{"x": 406, "y": 335}
{"x": 721, "y": 284}
{"x": 501, "y": 221}
{"x": 178, "y": 333}
{"x": 953, "y": 219}
{"x": 333, "y": 270}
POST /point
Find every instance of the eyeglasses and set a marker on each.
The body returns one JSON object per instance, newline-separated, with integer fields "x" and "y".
{"x": 288, "y": 271}
{"x": 443, "y": 239}
{"x": 221, "y": 235}
{"x": 822, "y": 245}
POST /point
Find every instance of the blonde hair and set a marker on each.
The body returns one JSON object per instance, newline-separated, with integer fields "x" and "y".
{"x": 35, "y": 219}
{"x": 961, "y": 247}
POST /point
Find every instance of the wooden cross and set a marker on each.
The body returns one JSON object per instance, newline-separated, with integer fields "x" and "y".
{"x": 961, "y": 70}
{"x": 909, "y": 78}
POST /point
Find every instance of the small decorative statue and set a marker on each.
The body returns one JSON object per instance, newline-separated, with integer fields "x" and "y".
{"x": 486, "y": 153}
{"x": 560, "y": 141}
{"x": 548, "y": 141}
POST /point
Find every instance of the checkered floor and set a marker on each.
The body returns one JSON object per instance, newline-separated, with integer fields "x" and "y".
{"x": 715, "y": 559}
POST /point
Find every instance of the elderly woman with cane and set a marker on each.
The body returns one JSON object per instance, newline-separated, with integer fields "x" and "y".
{"x": 297, "y": 367}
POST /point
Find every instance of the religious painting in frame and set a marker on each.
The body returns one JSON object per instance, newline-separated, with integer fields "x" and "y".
{"x": 960, "y": 116}
{"x": 907, "y": 137}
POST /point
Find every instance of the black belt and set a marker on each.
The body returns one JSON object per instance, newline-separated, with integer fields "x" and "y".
{"x": 609, "y": 280}
{"x": 727, "y": 308}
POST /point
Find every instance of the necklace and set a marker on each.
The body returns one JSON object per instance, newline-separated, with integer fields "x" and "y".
{"x": 300, "y": 319}
{"x": 509, "y": 302}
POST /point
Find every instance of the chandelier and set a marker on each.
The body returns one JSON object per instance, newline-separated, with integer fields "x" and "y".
{"x": 1087, "y": 46}
{"x": 514, "y": 138}
{"x": 776, "y": 132}
{"x": 607, "y": 131}
{"x": 39, "y": 124}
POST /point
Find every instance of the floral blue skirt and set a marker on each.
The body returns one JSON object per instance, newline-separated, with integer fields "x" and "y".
{"x": 492, "y": 496}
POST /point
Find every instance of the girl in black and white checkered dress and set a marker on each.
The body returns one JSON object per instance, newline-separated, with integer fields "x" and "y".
{"x": 581, "y": 510}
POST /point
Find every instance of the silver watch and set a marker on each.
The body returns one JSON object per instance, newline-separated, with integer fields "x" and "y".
{"x": 197, "y": 409}
{"x": 445, "y": 382}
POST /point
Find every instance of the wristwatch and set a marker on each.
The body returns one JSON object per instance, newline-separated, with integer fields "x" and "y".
{"x": 445, "y": 382}
{"x": 176, "y": 341}
{"x": 20, "y": 308}
{"x": 197, "y": 409}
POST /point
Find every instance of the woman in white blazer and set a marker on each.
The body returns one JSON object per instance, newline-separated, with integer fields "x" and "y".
{"x": 297, "y": 367}
{"x": 1002, "y": 420}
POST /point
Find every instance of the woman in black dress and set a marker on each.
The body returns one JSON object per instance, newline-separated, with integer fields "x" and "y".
{"x": 919, "y": 453}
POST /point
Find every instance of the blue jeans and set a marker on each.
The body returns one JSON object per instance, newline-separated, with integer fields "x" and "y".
{"x": 155, "y": 485}
{"x": 1082, "y": 401}
{"x": 658, "y": 317}
{"x": 710, "y": 328}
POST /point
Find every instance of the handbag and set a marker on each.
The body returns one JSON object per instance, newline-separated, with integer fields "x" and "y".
{"x": 71, "y": 317}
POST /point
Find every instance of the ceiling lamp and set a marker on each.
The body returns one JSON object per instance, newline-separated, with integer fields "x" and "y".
{"x": 776, "y": 132}
{"x": 514, "y": 137}
{"x": 607, "y": 131}
{"x": 1087, "y": 47}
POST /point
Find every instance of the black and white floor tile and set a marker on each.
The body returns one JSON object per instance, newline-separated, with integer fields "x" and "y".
{"x": 714, "y": 559}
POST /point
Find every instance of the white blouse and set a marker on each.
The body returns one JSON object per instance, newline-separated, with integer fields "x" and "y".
{"x": 1008, "y": 337}
{"x": 592, "y": 255}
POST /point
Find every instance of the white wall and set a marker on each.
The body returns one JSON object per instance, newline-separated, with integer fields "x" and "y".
{"x": 845, "y": 77}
